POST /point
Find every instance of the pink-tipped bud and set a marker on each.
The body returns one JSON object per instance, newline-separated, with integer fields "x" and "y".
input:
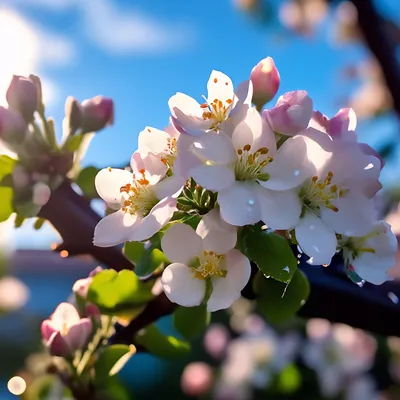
{"x": 13, "y": 127}
{"x": 266, "y": 80}
{"x": 23, "y": 96}
{"x": 97, "y": 113}
{"x": 41, "y": 194}
{"x": 65, "y": 332}
{"x": 291, "y": 114}
{"x": 81, "y": 286}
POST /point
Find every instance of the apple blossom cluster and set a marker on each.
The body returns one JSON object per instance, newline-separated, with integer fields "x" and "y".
{"x": 234, "y": 165}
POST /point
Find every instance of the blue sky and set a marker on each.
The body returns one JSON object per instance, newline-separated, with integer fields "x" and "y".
{"x": 140, "y": 53}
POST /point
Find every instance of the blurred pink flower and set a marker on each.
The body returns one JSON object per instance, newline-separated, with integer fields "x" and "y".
{"x": 196, "y": 379}
{"x": 216, "y": 340}
{"x": 65, "y": 332}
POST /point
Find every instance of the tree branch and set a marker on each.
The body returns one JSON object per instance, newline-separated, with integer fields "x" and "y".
{"x": 381, "y": 45}
{"x": 74, "y": 219}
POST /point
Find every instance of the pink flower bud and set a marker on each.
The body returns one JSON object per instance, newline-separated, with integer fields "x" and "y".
{"x": 291, "y": 114}
{"x": 266, "y": 80}
{"x": 65, "y": 332}
{"x": 196, "y": 379}
{"x": 12, "y": 126}
{"x": 81, "y": 286}
{"x": 41, "y": 194}
{"x": 97, "y": 113}
{"x": 23, "y": 96}
{"x": 92, "y": 311}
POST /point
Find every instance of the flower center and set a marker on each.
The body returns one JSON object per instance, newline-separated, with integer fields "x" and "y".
{"x": 139, "y": 197}
{"x": 249, "y": 165}
{"x": 321, "y": 193}
{"x": 170, "y": 152}
{"x": 210, "y": 265}
{"x": 64, "y": 329}
{"x": 216, "y": 111}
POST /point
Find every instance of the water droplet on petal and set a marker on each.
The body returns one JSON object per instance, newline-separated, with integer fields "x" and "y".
{"x": 251, "y": 202}
{"x": 297, "y": 172}
{"x": 393, "y": 297}
{"x": 369, "y": 166}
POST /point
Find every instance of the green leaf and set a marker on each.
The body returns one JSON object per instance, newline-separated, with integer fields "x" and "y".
{"x": 150, "y": 262}
{"x": 6, "y": 207}
{"x": 115, "y": 291}
{"x": 271, "y": 252}
{"x": 112, "y": 359}
{"x": 160, "y": 345}
{"x": 278, "y": 301}
{"x": 134, "y": 251}
{"x": 191, "y": 321}
{"x": 85, "y": 181}
{"x": 6, "y": 165}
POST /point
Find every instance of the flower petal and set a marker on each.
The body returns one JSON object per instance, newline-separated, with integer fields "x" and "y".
{"x": 108, "y": 184}
{"x": 239, "y": 204}
{"x": 215, "y": 147}
{"x": 220, "y": 86}
{"x": 373, "y": 268}
{"x": 150, "y": 167}
{"x": 152, "y": 140}
{"x": 181, "y": 287}
{"x": 356, "y": 215}
{"x": 217, "y": 235}
{"x": 58, "y": 346}
{"x": 181, "y": 243}
{"x": 316, "y": 239}
{"x": 65, "y": 313}
{"x": 185, "y": 159}
{"x": 227, "y": 290}
{"x": 157, "y": 218}
{"x": 291, "y": 165}
{"x": 213, "y": 177}
{"x": 171, "y": 186}
{"x": 78, "y": 334}
{"x": 114, "y": 229}
{"x": 47, "y": 329}
{"x": 279, "y": 209}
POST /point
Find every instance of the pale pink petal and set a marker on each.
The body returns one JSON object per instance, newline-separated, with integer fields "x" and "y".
{"x": 316, "y": 239}
{"x": 186, "y": 159}
{"x": 157, "y": 218}
{"x": 343, "y": 122}
{"x": 152, "y": 140}
{"x": 171, "y": 186}
{"x": 78, "y": 334}
{"x": 279, "y": 209}
{"x": 108, "y": 184}
{"x": 114, "y": 229}
{"x": 217, "y": 235}
{"x": 187, "y": 114}
{"x": 220, "y": 87}
{"x": 181, "y": 244}
{"x": 213, "y": 177}
{"x": 216, "y": 148}
{"x": 65, "y": 313}
{"x": 355, "y": 216}
{"x": 149, "y": 167}
{"x": 181, "y": 287}
{"x": 227, "y": 290}
{"x": 239, "y": 204}
{"x": 291, "y": 165}
{"x": 385, "y": 242}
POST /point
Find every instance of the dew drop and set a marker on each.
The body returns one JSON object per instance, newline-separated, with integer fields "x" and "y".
{"x": 393, "y": 297}
{"x": 287, "y": 269}
{"x": 250, "y": 202}
{"x": 297, "y": 172}
{"x": 299, "y": 250}
{"x": 299, "y": 255}
{"x": 361, "y": 283}
{"x": 369, "y": 166}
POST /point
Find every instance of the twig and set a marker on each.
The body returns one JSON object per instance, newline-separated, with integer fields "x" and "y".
{"x": 74, "y": 219}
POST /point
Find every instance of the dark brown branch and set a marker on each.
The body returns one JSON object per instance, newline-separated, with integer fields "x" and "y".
{"x": 381, "y": 45}
{"x": 74, "y": 219}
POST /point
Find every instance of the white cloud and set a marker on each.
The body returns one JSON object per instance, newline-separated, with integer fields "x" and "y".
{"x": 25, "y": 48}
{"x": 127, "y": 31}
{"x": 122, "y": 30}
